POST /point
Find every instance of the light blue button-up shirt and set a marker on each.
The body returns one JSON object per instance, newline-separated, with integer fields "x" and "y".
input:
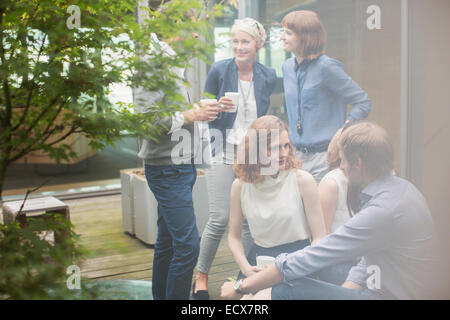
{"x": 327, "y": 90}
{"x": 393, "y": 231}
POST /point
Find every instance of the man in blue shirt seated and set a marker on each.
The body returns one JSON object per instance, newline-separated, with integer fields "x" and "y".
{"x": 393, "y": 233}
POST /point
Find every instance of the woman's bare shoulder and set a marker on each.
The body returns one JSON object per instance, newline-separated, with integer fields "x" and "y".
{"x": 304, "y": 178}
{"x": 237, "y": 185}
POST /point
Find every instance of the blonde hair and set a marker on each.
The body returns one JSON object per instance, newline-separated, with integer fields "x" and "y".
{"x": 249, "y": 172}
{"x": 309, "y": 27}
{"x": 372, "y": 144}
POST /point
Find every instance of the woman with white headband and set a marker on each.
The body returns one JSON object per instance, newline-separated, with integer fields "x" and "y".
{"x": 254, "y": 82}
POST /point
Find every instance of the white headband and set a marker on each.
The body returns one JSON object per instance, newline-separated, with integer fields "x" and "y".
{"x": 252, "y": 27}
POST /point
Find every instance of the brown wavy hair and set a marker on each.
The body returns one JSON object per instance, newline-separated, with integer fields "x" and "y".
{"x": 251, "y": 172}
{"x": 309, "y": 27}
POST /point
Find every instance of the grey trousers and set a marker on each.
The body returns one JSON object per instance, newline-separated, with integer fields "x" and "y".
{"x": 219, "y": 179}
{"x": 314, "y": 163}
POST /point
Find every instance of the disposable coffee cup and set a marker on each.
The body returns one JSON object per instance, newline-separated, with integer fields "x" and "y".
{"x": 262, "y": 261}
{"x": 207, "y": 101}
{"x": 235, "y": 97}
{"x": 204, "y": 101}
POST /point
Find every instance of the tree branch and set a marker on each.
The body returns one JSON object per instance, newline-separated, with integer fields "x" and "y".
{"x": 6, "y": 91}
{"x": 29, "y": 191}
{"x": 29, "y": 148}
{"x": 45, "y": 134}
{"x": 46, "y": 130}
{"x": 33, "y": 15}
{"x": 42, "y": 113}
{"x": 32, "y": 86}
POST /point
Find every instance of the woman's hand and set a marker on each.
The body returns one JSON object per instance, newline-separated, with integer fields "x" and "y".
{"x": 251, "y": 270}
{"x": 227, "y": 103}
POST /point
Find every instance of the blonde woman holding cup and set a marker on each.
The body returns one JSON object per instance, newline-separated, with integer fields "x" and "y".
{"x": 242, "y": 87}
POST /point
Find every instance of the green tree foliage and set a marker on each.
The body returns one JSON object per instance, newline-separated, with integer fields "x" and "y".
{"x": 32, "y": 267}
{"x": 54, "y": 77}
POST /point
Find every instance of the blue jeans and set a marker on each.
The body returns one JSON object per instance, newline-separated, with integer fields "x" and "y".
{"x": 177, "y": 242}
{"x": 336, "y": 274}
{"x": 312, "y": 289}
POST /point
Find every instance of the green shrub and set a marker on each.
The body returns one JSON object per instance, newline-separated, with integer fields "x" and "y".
{"x": 34, "y": 268}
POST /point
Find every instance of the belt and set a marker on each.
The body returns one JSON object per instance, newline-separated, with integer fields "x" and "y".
{"x": 320, "y": 147}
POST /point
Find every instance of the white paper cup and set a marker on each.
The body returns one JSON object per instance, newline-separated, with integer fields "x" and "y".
{"x": 207, "y": 101}
{"x": 202, "y": 101}
{"x": 262, "y": 261}
{"x": 235, "y": 97}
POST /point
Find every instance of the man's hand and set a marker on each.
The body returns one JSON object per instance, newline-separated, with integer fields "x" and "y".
{"x": 351, "y": 285}
{"x": 227, "y": 291}
{"x": 205, "y": 112}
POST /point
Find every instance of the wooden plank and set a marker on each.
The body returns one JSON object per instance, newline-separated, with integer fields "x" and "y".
{"x": 36, "y": 204}
{"x": 117, "y": 270}
{"x": 115, "y": 254}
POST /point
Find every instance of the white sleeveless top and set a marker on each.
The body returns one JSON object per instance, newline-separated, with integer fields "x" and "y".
{"x": 274, "y": 210}
{"x": 341, "y": 215}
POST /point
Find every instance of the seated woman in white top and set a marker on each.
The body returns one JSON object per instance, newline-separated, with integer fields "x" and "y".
{"x": 279, "y": 200}
{"x": 333, "y": 190}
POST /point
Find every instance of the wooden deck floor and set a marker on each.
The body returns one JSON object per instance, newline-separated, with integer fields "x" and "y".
{"x": 114, "y": 254}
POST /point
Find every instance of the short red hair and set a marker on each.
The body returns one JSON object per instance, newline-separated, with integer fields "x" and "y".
{"x": 309, "y": 27}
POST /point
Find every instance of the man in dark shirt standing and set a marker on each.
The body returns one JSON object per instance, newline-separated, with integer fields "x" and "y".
{"x": 393, "y": 232}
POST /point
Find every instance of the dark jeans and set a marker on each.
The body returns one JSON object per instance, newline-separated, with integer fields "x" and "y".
{"x": 273, "y": 251}
{"x": 177, "y": 243}
{"x": 312, "y": 289}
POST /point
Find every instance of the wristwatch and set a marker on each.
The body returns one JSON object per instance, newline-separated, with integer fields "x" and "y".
{"x": 238, "y": 287}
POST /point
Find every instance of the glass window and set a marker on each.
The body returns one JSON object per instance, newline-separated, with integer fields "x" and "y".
{"x": 370, "y": 55}
{"x": 96, "y": 169}
{"x": 222, "y": 33}
{"x": 222, "y": 40}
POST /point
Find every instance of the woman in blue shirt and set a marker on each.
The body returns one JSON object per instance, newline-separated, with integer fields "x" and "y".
{"x": 317, "y": 91}
{"x": 254, "y": 82}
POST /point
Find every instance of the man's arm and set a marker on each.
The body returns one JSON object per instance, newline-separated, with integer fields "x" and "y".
{"x": 144, "y": 98}
{"x": 266, "y": 278}
{"x": 370, "y": 229}
{"x": 206, "y": 112}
